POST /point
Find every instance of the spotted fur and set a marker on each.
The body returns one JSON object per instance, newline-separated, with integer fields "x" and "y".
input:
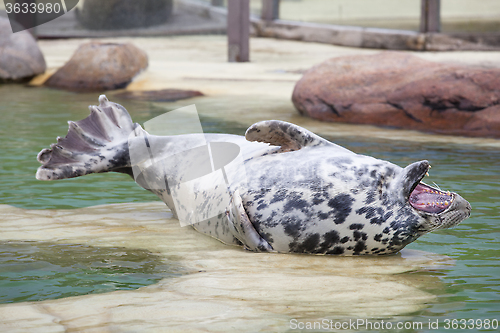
{"x": 298, "y": 193}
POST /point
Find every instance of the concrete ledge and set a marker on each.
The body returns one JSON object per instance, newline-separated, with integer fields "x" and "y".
{"x": 366, "y": 37}
{"x": 463, "y": 42}
{"x": 340, "y": 35}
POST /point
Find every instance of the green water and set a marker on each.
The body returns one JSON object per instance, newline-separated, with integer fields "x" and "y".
{"x": 33, "y": 271}
{"x": 32, "y": 118}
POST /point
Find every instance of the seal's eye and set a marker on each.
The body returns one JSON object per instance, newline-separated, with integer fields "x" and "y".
{"x": 430, "y": 200}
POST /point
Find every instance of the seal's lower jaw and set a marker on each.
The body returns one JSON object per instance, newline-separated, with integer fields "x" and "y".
{"x": 429, "y": 199}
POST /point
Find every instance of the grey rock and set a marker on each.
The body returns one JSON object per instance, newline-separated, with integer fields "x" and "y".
{"x": 20, "y": 56}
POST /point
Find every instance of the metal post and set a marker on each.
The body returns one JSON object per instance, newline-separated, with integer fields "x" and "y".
{"x": 430, "y": 19}
{"x": 218, "y": 3}
{"x": 238, "y": 30}
{"x": 270, "y": 10}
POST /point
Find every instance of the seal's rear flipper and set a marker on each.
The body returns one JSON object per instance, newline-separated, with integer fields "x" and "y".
{"x": 287, "y": 135}
{"x": 98, "y": 143}
{"x": 243, "y": 228}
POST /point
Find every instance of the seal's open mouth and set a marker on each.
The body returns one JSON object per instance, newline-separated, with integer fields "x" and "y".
{"x": 429, "y": 199}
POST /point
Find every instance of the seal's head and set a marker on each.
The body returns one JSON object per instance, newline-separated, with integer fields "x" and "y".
{"x": 438, "y": 209}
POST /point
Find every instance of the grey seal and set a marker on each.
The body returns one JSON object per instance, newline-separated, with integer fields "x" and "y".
{"x": 300, "y": 193}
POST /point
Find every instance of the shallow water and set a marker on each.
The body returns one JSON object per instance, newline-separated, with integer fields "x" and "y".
{"x": 470, "y": 289}
{"x": 34, "y": 271}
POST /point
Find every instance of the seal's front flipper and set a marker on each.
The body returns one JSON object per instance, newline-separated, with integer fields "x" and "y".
{"x": 244, "y": 230}
{"x": 98, "y": 143}
{"x": 289, "y": 136}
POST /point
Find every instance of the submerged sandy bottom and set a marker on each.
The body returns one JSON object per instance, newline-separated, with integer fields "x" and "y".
{"x": 225, "y": 288}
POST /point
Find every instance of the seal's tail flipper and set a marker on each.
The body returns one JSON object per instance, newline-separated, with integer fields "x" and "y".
{"x": 98, "y": 143}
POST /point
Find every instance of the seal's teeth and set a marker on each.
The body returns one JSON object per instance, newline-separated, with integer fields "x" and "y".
{"x": 427, "y": 174}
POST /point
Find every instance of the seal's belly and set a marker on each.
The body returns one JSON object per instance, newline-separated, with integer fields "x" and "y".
{"x": 300, "y": 202}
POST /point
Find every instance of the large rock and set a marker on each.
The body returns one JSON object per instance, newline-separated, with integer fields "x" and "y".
{"x": 123, "y": 14}
{"x": 20, "y": 57}
{"x": 404, "y": 91}
{"x": 97, "y": 67}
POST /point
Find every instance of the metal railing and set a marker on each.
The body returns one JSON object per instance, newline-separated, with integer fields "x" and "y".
{"x": 238, "y": 22}
{"x": 429, "y": 17}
